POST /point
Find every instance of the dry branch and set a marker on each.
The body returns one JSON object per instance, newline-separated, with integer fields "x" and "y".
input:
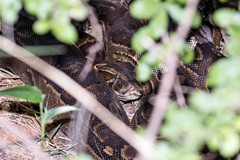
{"x": 97, "y": 29}
{"x": 167, "y": 82}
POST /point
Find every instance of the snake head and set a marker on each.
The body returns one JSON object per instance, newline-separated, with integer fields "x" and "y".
{"x": 126, "y": 90}
{"x": 121, "y": 79}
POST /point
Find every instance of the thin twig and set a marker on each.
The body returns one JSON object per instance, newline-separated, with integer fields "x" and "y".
{"x": 166, "y": 86}
{"x": 179, "y": 93}
{"x": 97, "y": 29}
{"x": 80, "y": 94}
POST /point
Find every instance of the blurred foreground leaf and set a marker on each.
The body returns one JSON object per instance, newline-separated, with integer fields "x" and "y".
{"x": 30, "y": 93}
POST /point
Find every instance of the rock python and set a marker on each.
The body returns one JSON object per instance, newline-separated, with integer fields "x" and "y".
{"x": 112, "y": 80}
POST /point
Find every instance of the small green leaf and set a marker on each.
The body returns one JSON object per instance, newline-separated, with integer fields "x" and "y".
{"x": 214, "y": 142}
{"x": 150, "y": 58}
{"x": 16, "y": 5}
{"x": 197, "y": 20}
{"x": 158, "y": 24}
{"x": 230, "y": 145}
{"x": 143, "y": 72}
{"x": 236, "y": 123}
{"x": 164, "y": 150}
{"x": 226, "y": 17}
{"x": 10, "y": 16}
{"x": 31, "y": 6}
{"x": 186, "y": 54}
{"x": 144, "y": 8}
{"x": 183, "y": 133}
{"x": 79, "y": 13}
{"x": 61, "y": 18}
{"x": 30, "y": 93}
{"x": 65, "y": 33}
{"x": 45, "y": 8}
{"x": 233, "y": 46}
{"x": 225, "y": 72}
{"x": 140, "y": 39}
{"x": 198, "y": 101}
{"x": 181, "y": 1}
{"x": 41, "y": 27}
{"x": 175, "y": 11}
{"x": 49, "y": 114}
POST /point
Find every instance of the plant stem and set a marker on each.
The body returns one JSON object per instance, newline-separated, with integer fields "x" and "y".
{"x": 42, "y": 123}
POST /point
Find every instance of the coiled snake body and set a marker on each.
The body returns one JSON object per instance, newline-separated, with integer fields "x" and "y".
{"x": 112, "y": 80}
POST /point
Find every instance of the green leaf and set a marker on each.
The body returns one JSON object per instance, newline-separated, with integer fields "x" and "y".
{"x": 144, "y": 8}
{"x": 186, "y": 54}
{"x": 65, "y": 33}
{"x": 49, "y": 114}
{"x": 45, "y": 9}
{"x": 230, "y": 145}
{"x": 10, "y": 16}
{"x": 175, "y": 11}
{"x": 233, "y": 46}
{"x": 226, "y": 17}
{"x": 196, "y": 20}
{"x": 225, "y": 72}
{"x": 10, "y": 11}
{"x": 236, "y": 123}
{"x": 181, "y": 1}
{"x": 164, "y": 150}
{"x": 214, "y": 142}
{"x": 150, "y": 58}
{"x": 183, "y": 133}
{"x": 158, "y": 24}
{"x": 143, "y": 72}
{"x": 30, "y": 93}
{"x": 231, "y": 96}
{"x": 79, "y": 13}
{"x": 15, "y": 5}
{"x": 139, "y": 39}
{"x": 31, "y": 6}
{"x": 61, "y": 18}
{"x": 41, "y": 27}
{"x": 198, "y": 101}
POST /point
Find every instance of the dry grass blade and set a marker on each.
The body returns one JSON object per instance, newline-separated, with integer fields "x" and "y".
{"x": 6, "y": 125}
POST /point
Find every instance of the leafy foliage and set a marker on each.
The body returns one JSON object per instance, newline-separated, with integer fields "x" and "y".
{"x": 211, "y": 119}
{"x": 157, "y": 13}
{"x": 9, "y": 10}
{"x": 54, "y": 16}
